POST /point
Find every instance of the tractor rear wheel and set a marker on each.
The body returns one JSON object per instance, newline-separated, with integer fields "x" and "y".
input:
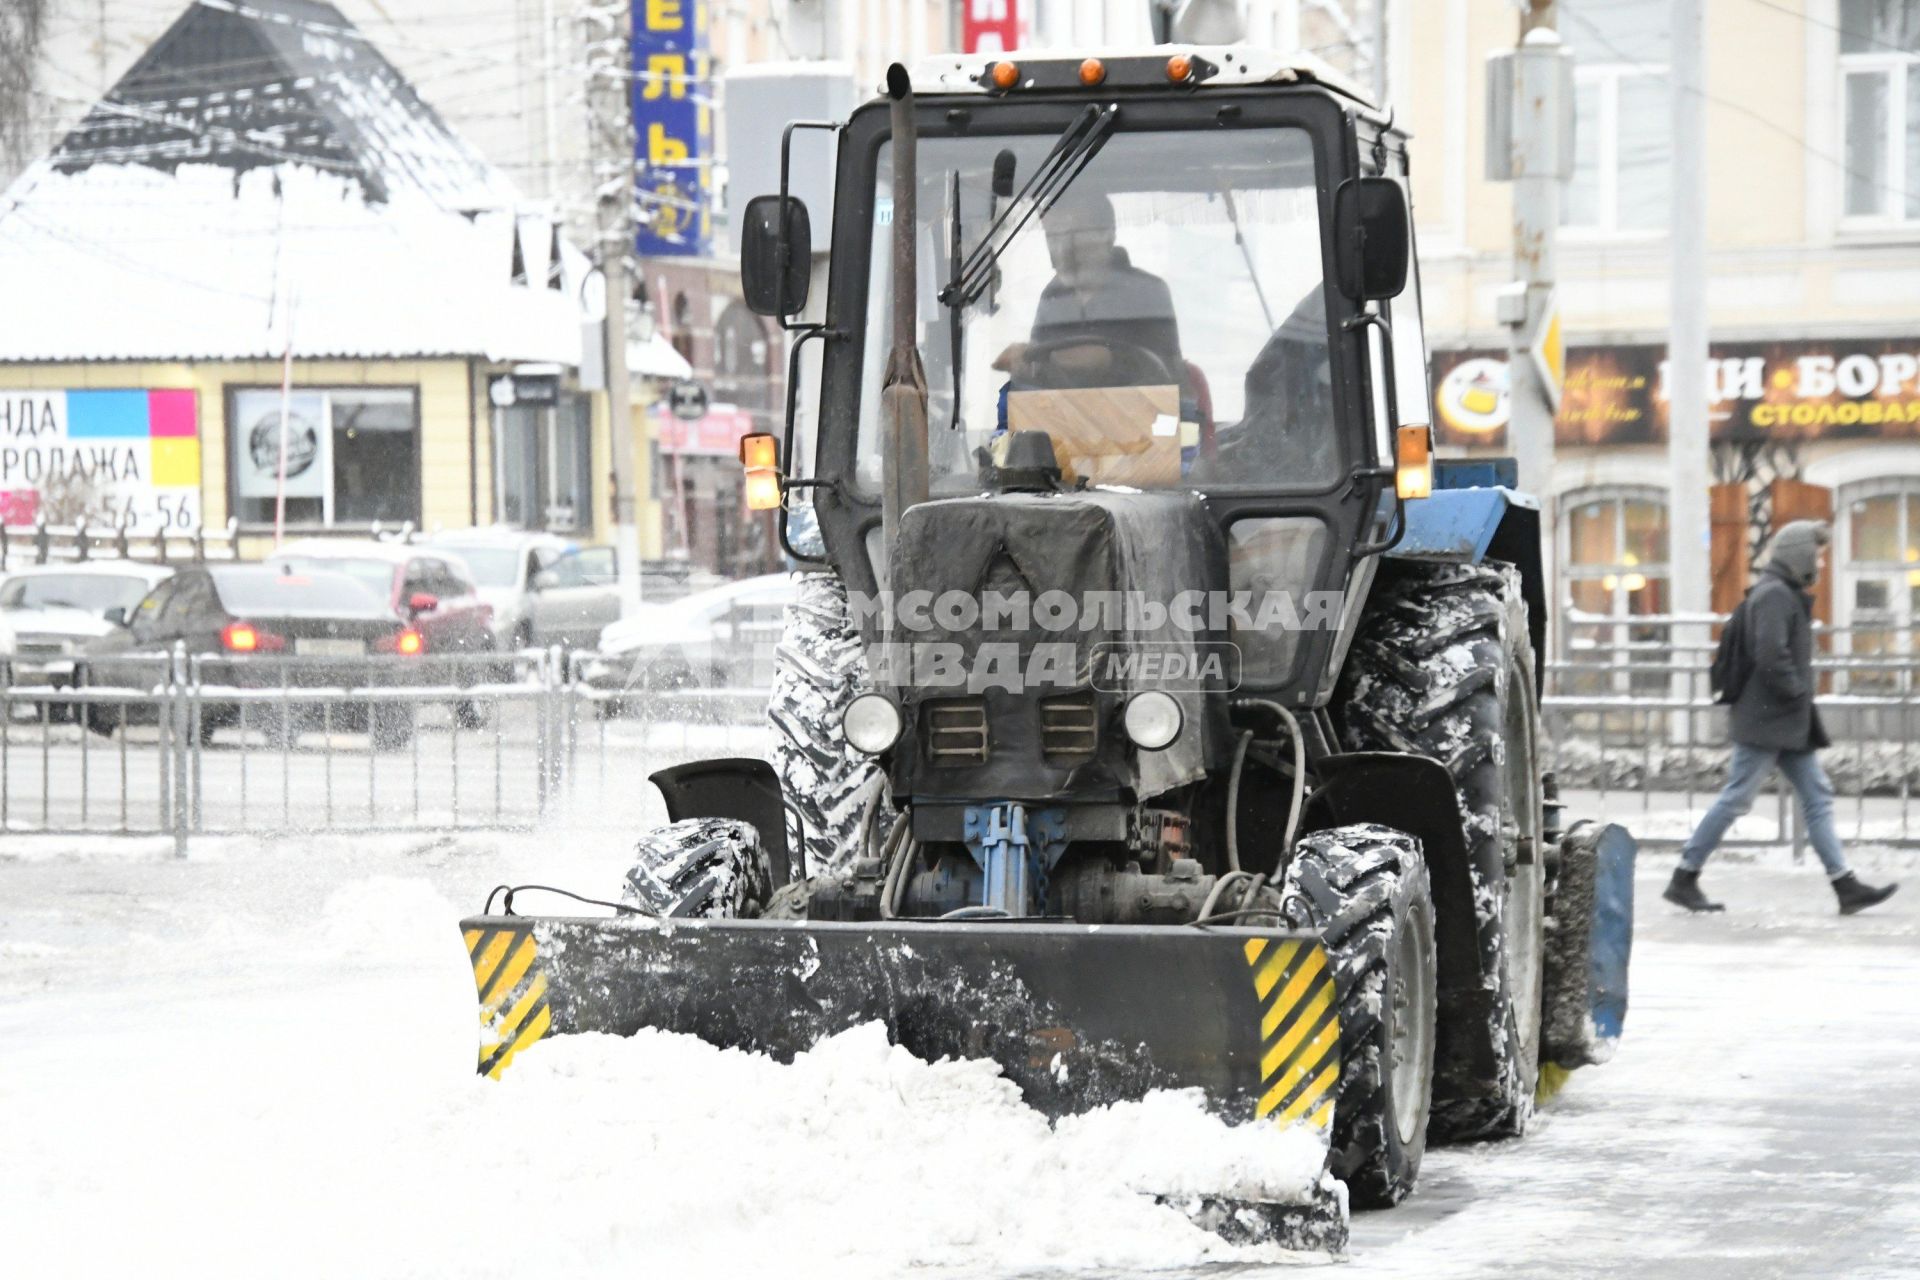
{"x": 1364, "y": 888}
{"x": 1442, "y": 666}
{"x": 703, "y": 867}
{"x": 818, "y": 668}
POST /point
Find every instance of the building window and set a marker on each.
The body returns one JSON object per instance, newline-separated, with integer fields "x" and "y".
{"x": 543, "y": 466}
{"x": 1879, "y": 576}
{"x": 1613, "y": 557}
{"x": 1880, "y": 108}
{"x": 1623, "y": 149}
{"x": 348, "y": 456}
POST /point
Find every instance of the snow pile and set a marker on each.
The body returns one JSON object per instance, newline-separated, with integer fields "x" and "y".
{"x": 293, "y": 1095}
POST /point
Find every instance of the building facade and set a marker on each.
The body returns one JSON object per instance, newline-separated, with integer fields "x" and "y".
{"x": 1813, "y": 287}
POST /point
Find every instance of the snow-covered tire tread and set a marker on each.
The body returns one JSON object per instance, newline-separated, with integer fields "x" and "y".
{"x": 1358, "y": 886}
{"x": 827, "y": 786}
{"x": 711, "y": 868}
{"x": 1430, "y": 672}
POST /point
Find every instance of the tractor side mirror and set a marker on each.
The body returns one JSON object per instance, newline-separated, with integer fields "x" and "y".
{"x": 776, "y": 255}
{"x": 1370, "y": 227}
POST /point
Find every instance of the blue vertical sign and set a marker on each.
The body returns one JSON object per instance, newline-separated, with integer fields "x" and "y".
{"x": 673, "y": 127}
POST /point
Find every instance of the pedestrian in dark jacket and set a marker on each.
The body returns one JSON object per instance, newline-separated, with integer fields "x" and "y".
{"x": 1774, "y": 724}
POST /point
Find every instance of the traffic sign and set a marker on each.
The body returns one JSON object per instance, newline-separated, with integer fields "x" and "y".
{"x": 688, "y": 400}
{"x": 1549, "y": 350}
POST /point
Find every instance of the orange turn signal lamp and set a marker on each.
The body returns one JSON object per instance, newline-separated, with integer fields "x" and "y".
{"x": 1413, "y": 461}
{"x": 760, "y": 455}
{"x": 1180, "y": 68}
{"x": 1005, "y": 75}
{"x": 1092, "y": 72}
{"x": 409, "y": 642}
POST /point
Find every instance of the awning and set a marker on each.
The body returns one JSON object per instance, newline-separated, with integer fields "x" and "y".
{"x": 656, "y": 358}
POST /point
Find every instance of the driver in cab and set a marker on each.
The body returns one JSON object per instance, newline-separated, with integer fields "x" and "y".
{"x": 1099, "y": 312}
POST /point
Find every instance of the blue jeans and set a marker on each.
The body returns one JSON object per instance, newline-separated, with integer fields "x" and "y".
{"x": 1751, "y": 765}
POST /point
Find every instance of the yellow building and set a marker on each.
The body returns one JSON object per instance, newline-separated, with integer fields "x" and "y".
{"x": 206, "y": 234}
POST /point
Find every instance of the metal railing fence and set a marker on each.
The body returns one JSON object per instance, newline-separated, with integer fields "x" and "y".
{"x": 192, "y": 745}
{"x": 1633, "y": 732}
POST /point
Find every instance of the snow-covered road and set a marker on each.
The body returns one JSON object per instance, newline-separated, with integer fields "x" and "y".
{"x": 256, "y": 1062}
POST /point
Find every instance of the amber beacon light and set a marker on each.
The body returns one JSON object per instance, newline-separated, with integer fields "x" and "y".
{"x": 760, "y": 455}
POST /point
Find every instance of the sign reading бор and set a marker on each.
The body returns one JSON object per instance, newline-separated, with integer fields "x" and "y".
{"x": 102, "y": 456}
{"x": 673, "y": 128}
{"x": 1806, "y": 390}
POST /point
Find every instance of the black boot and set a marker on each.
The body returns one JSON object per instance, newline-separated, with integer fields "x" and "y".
{"x": 1855, "y": 896}
{"x": 1684, "y": 891}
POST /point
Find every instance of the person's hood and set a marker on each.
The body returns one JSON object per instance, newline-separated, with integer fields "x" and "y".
{"x": 1795, "y": 551}
{"x": 57, "y": 620}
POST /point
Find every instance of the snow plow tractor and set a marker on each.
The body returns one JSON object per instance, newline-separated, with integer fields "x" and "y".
{"x": 1156, "y": 712}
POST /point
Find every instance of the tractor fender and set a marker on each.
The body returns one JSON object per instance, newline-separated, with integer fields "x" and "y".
{"x": 1469, "y": 525}
{"x": 1416, "y": 795}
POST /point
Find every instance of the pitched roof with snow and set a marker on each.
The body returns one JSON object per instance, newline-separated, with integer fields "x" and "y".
{"x": 263, "y": 172}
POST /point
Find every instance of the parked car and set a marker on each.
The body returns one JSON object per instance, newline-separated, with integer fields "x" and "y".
{"x": 544, "y": 590}
{"x": 433, "y": 592}
{"x": 229, "y": 615}
{"x": 721, "y": 638}
{"x": 51, "y": 612}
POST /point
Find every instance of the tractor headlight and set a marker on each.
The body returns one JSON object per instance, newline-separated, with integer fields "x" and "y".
{"x": 1153, "y": 720}
{"x": 871, "y": 723}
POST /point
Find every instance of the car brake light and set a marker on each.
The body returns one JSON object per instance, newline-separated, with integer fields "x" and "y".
{"x": 244, "y": 637}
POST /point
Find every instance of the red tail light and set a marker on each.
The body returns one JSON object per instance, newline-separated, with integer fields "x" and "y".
{"x": 244, "y": 637}
{"x": 409, "y": 642}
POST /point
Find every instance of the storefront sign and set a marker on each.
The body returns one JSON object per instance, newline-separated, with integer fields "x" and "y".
{"x": 718, "y": 432}
{"x": 1837, "y": 389}
{"x": 102, "y": 456}
{"x": 989, "y": 26}
{"x": 673, "y": 127}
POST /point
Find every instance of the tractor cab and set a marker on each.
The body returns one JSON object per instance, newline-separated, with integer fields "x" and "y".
{"x": 1188, "y": 271}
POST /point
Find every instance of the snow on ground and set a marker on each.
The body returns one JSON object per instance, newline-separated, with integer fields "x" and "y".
{"x": 258, "y": 1062}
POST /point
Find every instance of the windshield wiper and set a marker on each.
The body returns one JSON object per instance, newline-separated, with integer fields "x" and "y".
{"x": 1075, "y": 148}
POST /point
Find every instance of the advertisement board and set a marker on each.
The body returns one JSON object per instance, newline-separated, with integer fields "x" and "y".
{"x": 1615, "y": 394}
{"x": 256, "y": 457}
{"x": 673, "y": 128}
{"x": 716, "y": 433}
{"x": 100, "y": 455}
{"x": 989, "y": 26}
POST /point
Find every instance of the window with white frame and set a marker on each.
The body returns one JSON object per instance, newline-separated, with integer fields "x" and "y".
{"x": 1879, "y": 572}
{"x": 1880, "y": 109}
{"x": 1613, "y": 565}
{"x": 1623, "y": 149}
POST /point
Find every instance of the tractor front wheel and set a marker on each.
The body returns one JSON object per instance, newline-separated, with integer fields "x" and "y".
{"x": 1365, "y": 889}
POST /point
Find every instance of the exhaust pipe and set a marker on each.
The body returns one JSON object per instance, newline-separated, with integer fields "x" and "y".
{"x": 903, "y": 395}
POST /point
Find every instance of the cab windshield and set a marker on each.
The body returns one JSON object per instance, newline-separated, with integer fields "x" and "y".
{"x": 1163, "y": 322}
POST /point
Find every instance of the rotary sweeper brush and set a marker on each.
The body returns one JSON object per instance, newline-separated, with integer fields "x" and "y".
{"x": 1156, "y": 713}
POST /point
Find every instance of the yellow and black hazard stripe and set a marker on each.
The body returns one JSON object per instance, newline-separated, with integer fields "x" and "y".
{"x": 1299, "y": 1030}
{"x": 513, "y": 993}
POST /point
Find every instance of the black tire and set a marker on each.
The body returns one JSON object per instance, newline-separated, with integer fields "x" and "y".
{"x": 704, "y": 867}
{"x": 1365, "y": 889}
{"x": 818, "y": 668}
{"x": 1442, "y": 666}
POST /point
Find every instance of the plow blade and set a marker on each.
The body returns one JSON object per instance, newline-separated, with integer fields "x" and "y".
{"x": 1078, "y": 1016}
